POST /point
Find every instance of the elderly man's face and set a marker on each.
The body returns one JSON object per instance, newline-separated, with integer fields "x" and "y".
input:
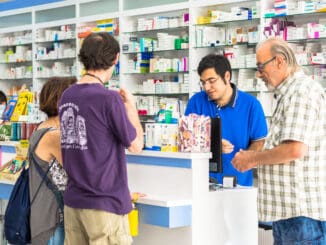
{"x": 268, "y": 68}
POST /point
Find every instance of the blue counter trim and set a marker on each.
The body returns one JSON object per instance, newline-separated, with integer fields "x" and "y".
{"x": 168, "y": 217}
{"x": 16, "y": 4}
{"x": 8, "y": 149}
{"x": 159, "y": 161}
{"x": 5, "y": 191}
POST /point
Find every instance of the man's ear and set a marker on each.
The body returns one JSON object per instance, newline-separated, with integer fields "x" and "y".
{"x": 116, "y": 60}
{"x": 227, "y": 76}
{"x": 279, "y": 61}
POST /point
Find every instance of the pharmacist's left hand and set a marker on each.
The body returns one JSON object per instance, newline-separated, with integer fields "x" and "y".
{"x": 243, "y": 160}
{"x": 227, "y": 147}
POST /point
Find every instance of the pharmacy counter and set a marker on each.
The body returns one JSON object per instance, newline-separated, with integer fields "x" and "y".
{"x": 179, "y": 208}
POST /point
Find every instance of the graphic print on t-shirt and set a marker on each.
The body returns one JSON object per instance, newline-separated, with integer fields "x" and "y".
{"x": 73, "y": 128}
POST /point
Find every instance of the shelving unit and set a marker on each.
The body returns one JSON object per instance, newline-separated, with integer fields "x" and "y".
{"x": 55, "y": 42}
{"x": 232, "y": 31}
{"x": 155, "y": 57}
{"x": 16, "y": 40}
{"x": 300, "y": 30}
{"x": 130, "y": 18}
{"x": 55, "y": 52}
{"x": 16, "y": 55}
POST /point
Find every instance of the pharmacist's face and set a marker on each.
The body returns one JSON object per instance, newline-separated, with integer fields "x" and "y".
{"x": 213, "y": 84}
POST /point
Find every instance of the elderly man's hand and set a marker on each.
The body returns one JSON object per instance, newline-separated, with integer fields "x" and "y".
{"x": 244, "y": 160}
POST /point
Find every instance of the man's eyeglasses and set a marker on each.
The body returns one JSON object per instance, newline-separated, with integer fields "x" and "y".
{"x": 209, "y": 81}
{"x": 260, "y": 67}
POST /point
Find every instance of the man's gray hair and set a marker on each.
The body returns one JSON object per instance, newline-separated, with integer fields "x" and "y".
{"x": 281, "y": 47}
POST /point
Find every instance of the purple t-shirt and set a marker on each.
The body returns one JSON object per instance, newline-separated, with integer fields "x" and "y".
{"x": 95, "y": 131}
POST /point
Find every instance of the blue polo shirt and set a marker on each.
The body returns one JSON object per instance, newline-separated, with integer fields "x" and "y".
{"x": 242, "y": 119}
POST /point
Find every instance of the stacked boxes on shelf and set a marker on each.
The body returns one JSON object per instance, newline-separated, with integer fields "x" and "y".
{"x": 63, "y": 32}
{"x": 162, "y": 22}
{"x": 207, "y": 35}
{"x": 16, "y": 54}
{"x": 291, "y": 7}
{"x": 305, "y": 35}
{"x": 55, "y": 51}
{"x": 107, "y": 25}
{"x": 17, "y": 38}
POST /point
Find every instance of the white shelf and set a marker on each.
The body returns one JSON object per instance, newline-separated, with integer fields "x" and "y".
{"x": 53, "y": 41}
{"x": 203, "y": 3}
{"x": 7, "y": 182}
{"x": 17, "y": 44}
{"x": 54, "y": 59}
{"x": 223, "y": 23}
{"x": 163, "y": 201}
{"x": 156, "y": 10}
{"x": 20, "y": 78}
{"x": 168, "y": 29}
{"x": 9, "y": 143}
{"x": 181, "y": 155}
{"x": 56, "y": 23}
{"x": 16, "y": 29}
{"x": 98, "y": 17}
{"x": 15, "y": 62}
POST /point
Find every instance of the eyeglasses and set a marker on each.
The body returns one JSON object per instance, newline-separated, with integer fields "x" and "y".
{"x": 260, "y": 67}
{"x": 209, "y": 81}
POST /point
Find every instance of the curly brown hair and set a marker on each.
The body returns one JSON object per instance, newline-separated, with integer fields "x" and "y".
{"x": 51, "y": 93}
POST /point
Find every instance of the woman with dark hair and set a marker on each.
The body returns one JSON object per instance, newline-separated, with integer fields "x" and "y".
{"x": 3, "y": 98}
{"x": 3, "y": 104}
{"x": 45, "y": 153}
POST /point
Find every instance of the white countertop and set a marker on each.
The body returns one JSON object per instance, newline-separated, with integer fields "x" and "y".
{"x": 183, "y": 155}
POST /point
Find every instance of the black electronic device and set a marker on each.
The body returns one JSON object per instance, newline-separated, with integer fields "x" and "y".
{"x": 215, "y": 162}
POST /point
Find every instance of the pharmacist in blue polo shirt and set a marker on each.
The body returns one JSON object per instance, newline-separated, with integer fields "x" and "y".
{"x": 243, "y": 122}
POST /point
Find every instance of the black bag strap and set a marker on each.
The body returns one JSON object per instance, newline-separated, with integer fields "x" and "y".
{"x": 30, "y": 154}
{"x": 39, "y": 187}
{"x": 49, "y": 184}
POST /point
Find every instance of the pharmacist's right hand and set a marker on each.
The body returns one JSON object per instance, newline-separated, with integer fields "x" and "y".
{"x": 227, "y": 147}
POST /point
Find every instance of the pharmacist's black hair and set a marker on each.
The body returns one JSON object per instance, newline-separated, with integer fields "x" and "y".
{"x": 3, "y": 98}
{"x": 99, "y": 51}
{"x": 217, "y": 61}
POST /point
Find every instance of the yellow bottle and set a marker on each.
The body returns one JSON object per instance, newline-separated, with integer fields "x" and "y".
{"x": 133, "y": 221}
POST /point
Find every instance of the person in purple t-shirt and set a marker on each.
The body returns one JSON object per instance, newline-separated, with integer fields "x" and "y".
{"x": 96, "y": 126}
